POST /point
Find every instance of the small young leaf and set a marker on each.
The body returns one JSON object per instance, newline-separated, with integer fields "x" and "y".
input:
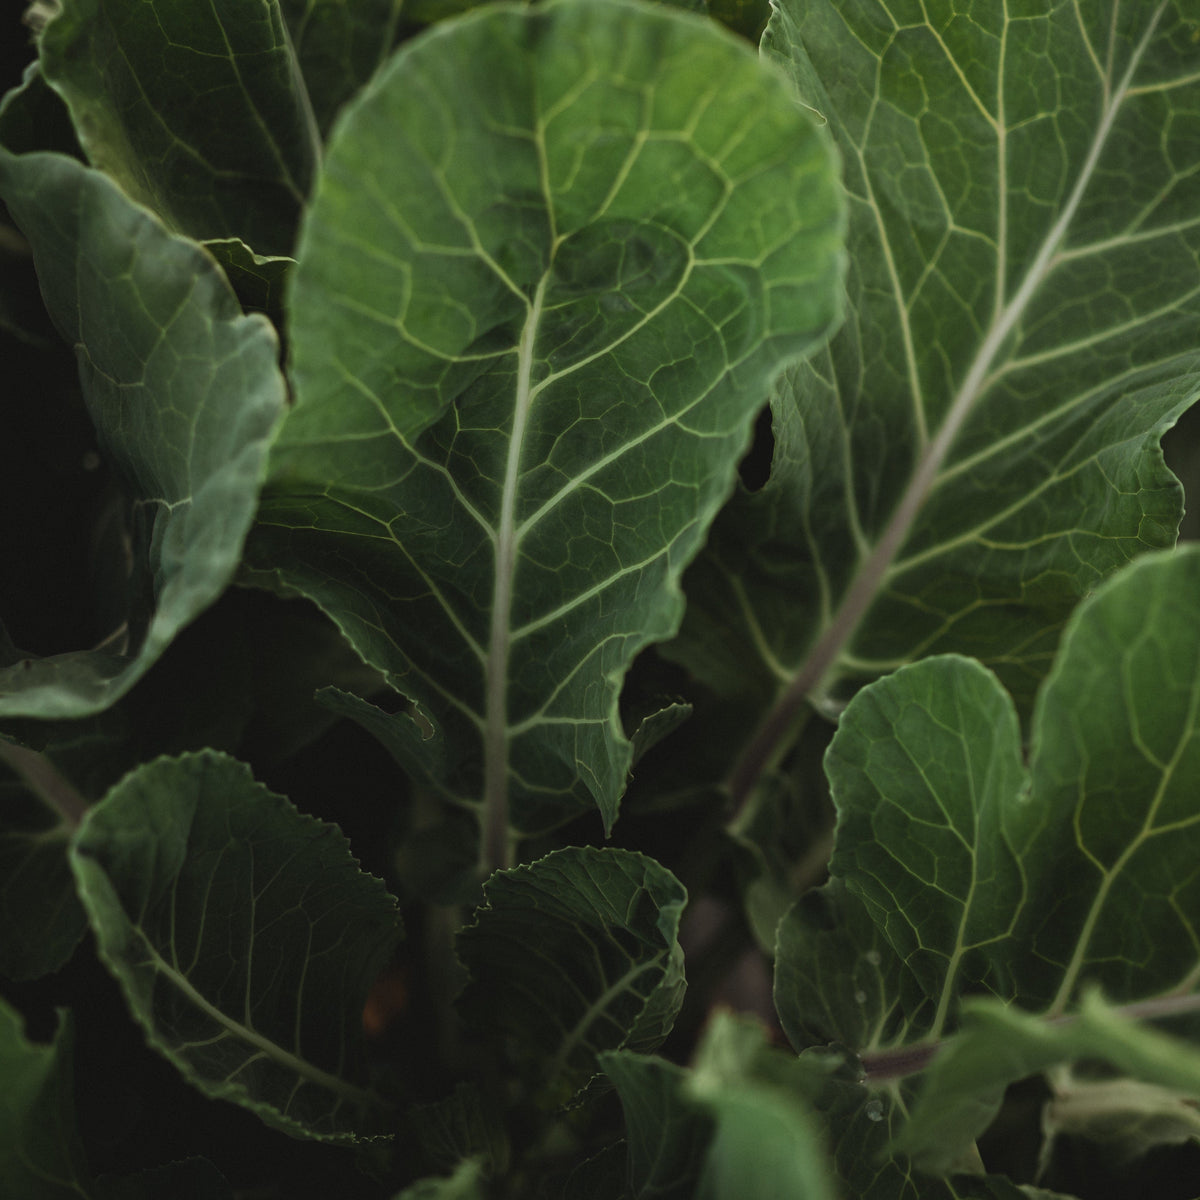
{"x": 244, "y": 937}
{"x": 41, "y": 1157}
{"x": 574, "y": 954}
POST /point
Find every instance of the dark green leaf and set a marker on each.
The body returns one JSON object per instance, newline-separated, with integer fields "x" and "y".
{"x": 40, "y": 915}
{"x": 258, "y": 279}
{"x": 41, "y": 1157}
{"x": 340, "y": 46}
{"x": 537, "y": 307}
{"x": 192, "y": 1179}
{"x": 184, "y": 392}
{"x": 668, "y": 1132}
{"x": 199, "y": 113}
{"x": 244, "y": 937}
{"x": 978, "y": 447}
{"x": 575, "y": 954}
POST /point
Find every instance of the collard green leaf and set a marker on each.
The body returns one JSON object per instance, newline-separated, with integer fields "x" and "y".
{"x": 982, "y": 875}
{"x": 859, "y": 1126}
{"x": 964, "y": 1085}
{"x": 668, "y": 1133}
{"x": 926, "y": 772}
{"x": 735, "y": 1126}
{"x": 41, "y": 1157}
{"x": 184, "y": 391}
{"x": 340, "y": 46}
{"x": 41, "y": 919}
{"x": 537, "y": 306}
{"x": 575, "y": 954}
{"x": 199, "y": 113}
{"x": 244, "y": 937}
{"x": 837, "y": 979}
{"x": 978, "y": 447}
{"x": 258, "y": 279}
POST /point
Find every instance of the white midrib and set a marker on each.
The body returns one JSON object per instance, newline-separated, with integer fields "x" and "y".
{"x": 495, "y": 848}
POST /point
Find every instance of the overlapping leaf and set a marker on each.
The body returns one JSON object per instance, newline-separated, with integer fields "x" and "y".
{"x": 40, "y": 915}
{"x": 244, "y": 937}
{"x": 41, "y": 1156}
{"x": 962, "y": 872}
{"x": 979, "y": 445}
{"x": 200, "y": 113}
{"x": 965, "y": 1084}
{"x": 340, "y": 46}
{"x": 184, "y": 391}
{"x": 536, "y": 308}
{"x": 575, "y": 954}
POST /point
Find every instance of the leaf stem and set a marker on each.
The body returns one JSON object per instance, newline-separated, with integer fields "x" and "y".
{"x": 873, "y": 569}
{"x": 883, "y": 1066}
{"x": 46, "y": 781}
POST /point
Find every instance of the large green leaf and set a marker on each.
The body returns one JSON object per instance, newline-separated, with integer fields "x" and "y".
{"x": 979, "y": 875}
{"x": 244, "y": 937}
{"x": 574, "y": 954}
{"x": 537, "y": 306}
{"x": 41, "y": 1157}
{"x": 200, "y": 112}
{"x": 184, "y": 391}
{"x": 978, "y": 447}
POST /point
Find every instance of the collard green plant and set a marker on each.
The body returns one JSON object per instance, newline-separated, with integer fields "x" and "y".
{"x": 530, "y": 524}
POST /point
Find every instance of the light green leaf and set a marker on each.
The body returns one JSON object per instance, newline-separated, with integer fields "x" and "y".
{"x": 978, "y": 447}
{"x": 41, "y": 1157}
{"x": 537, "y": 307}
{"x": 980, "y": 875}
{"x": 184, "y": 391}
{"x": 244, "y": 937}
{"x": 766, "y": 1141}
{"x": 1153, "y": 1099}
{"x": 926, "y": 773}
{"x": 574, "y": 954}
{"x": 232, "y": 153}
{"x": 340, "y": 46}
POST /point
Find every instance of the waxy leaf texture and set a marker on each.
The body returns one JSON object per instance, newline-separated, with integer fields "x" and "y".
{"x": 536, "y": 310}
{"x": 978, "y": 446}
{"x": 245, "y": 938}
